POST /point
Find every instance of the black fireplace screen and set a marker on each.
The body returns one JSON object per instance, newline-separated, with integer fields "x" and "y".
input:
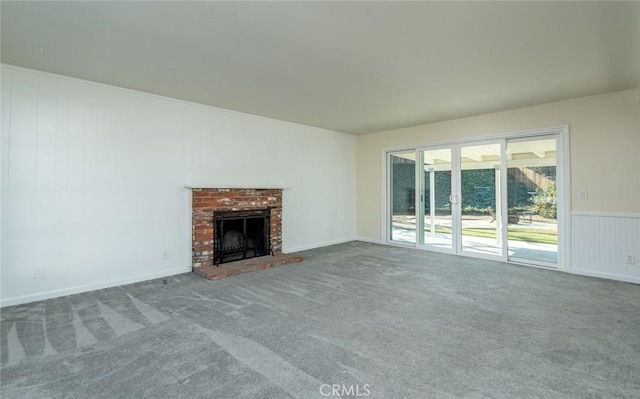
{"x": 241, "y": 235}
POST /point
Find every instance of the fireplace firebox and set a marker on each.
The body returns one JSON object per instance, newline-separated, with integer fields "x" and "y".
{"x": 241, "y": 235}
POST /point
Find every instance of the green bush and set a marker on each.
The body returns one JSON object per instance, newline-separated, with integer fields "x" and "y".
{"x": 544, "y": 202}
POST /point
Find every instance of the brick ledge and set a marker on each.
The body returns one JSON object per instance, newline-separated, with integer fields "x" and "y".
{"x": 245, "y": 266}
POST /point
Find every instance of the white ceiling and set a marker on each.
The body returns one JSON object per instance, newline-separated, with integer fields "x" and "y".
{"x": 355, "y": 67}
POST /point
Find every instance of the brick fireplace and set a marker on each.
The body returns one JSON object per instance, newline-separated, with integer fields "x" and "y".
{"x": 210, "y": 201}
{"x": 206, "y": 201}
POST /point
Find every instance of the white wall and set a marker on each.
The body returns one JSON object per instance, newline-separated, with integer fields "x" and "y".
{"x": 93, "y": 181}
{"x": 604, "y": 159}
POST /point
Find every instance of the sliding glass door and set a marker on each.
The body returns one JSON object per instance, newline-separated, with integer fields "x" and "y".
{"x": 435, "y": 211}
{"x": 402, "y": 186}
{"x": 532, "y": 200}
{"x": 480, "y": 204}
{"x": 496, "y": 199}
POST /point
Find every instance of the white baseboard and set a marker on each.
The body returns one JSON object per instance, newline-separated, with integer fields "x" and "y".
{"x": 91, "y": 287}
{"x": 608, "y": 276}
{"x": 371, "y": 240}
{"x": 317, "y": 245}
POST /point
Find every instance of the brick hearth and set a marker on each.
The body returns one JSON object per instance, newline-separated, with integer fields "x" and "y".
{"x": 208, "y": 200}
{"x": 244, "y": 266}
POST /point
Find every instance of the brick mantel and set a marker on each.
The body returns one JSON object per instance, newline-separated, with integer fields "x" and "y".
{"x": 206, "y": 201}
{"x": 217, "y": 187}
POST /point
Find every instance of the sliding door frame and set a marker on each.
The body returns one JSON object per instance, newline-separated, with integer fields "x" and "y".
{"x": 388, "y": 201}
{"x": 559, "y": 184}
{"x": 500, "y": 210}
{"x": 420, "y": 213}
{"x": 563, "y": 190}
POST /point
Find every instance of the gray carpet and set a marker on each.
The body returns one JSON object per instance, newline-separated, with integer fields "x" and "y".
{"x": 369, "y": 319}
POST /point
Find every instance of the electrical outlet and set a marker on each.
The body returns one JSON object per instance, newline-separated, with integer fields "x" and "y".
{"x": 631, "y": 259}
{"x": 38, "y": 272}
{"x": 165, "y": 254}
{"x": 583, "y": 195}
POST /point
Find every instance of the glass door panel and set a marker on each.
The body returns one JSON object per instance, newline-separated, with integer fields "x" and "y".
{"x": 480, "y": 204}
{"x": 532, "y": 201}
{"x": 437, "y": 217}
{"x": 495, "y": 198}
{"x": 403, "y": 196}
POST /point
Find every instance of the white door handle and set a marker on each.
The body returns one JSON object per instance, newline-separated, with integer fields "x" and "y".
{"x": 454, "y": 199}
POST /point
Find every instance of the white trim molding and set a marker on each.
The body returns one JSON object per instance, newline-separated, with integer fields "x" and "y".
{"x": 369, "y": 240}
{"x": 236, "y": 186}
{"x": 606, "y": 214}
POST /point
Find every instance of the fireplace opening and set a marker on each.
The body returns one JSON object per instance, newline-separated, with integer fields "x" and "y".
{"x": 241, "y": 235}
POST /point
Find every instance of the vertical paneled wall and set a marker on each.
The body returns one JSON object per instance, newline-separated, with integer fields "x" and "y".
{"x": 93, "y": 181}
{"x": 601, "y": 244}
{"x": 91, "y": 191}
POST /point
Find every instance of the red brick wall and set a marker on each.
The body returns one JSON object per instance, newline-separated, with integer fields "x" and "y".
{"x": 208, "y": 200}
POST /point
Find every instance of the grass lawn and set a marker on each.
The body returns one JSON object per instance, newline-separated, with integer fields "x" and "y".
{"x": 541, "y": 236}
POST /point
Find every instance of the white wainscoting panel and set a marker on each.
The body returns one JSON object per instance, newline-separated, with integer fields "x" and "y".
{"x": 601, "y": 243}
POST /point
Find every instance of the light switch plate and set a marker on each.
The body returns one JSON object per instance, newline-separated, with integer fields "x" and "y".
{"x": 583, "y": 195}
